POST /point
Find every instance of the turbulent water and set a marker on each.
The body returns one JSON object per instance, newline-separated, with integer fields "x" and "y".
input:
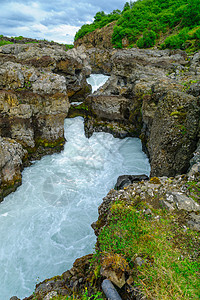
{"x": 97, "y": 80}
{"x": 45, "y": 224}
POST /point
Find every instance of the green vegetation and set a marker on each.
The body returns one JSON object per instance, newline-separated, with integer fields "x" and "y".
{"x": 85, "y": 296}
{"x": 171, "y": 268}
{"x": 147, "y": 40}
{"x": 68, "y": 46}
{"x": 145, "y": 23}
{"x": 194, "y": 189}
{"x": 3, "y": 42}
{"x": 19, "y": 38}
{"x": 100, "y": 20}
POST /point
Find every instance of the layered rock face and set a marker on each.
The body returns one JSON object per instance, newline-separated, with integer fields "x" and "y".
{"x": 70, "y": 64}
{"x": 12, "y": 155}
{"x": 153, "y": 95}
{"x": 99, "y": 38}
{"x": 100, "y": 60}
{"x": 35, "y": 86}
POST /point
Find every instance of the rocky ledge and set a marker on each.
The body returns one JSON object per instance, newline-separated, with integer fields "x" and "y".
{"x": 37, "y": 84}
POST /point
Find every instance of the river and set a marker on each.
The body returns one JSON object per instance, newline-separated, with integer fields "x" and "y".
{"x": 45, "y": 224}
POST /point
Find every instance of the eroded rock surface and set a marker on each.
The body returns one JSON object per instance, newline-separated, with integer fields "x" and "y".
{"x": 36, "y": 85}
{"x": 99, "y": 38}
{"x": 155, "y": 97}
{"x": 11, "y": 158}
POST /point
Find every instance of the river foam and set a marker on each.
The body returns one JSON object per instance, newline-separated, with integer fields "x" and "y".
{"x": 45, "y": 224}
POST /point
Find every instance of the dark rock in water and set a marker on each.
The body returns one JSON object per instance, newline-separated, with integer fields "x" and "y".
{"x": 125, "y": 180}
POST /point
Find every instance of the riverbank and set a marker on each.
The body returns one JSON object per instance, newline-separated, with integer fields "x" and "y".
{"x": 148, "y": 237}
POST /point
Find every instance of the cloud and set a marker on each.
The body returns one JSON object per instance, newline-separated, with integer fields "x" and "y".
{"x": 43, "y": 19}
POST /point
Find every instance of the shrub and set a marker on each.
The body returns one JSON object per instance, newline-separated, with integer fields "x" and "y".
{"x": 19, "y": 38}
{"x": 3, "y": 42}
{"x": 176, "y": 41}
{"x": 68, "y": 46}
{"x": 197, "y": 34}
{"x": 148, "y": 39}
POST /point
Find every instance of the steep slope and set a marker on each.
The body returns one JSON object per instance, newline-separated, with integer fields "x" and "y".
{"x": 146, "y": 23}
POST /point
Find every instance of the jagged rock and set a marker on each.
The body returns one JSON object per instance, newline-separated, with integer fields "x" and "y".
{"x": 108, "y": 107}
{"x": 100, "y": 38}
{"x": 196, "y": 157}
{"x": 34, "y": 100}
{"x": 180, "y": 201}
{"x": 50, "y": 295}
{"x": 157, "y": 107}
{"x": 194, "y": 221}
{"x": 173, "y": 134}
{"x": 11, "y": 157}
{"x": 124, "y": 180}
{"x": 33, "y": 113}
{"x": 100, "y": 60}
{"x": 71, "y": 64}
{"x": 139, "y": 261}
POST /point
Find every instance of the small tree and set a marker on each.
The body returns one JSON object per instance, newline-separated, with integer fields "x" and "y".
{"x": 99, "y": 15}
{"x": 148, "y": 39}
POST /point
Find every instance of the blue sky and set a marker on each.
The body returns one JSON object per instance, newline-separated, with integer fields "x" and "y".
{"x": 57, "y": 20}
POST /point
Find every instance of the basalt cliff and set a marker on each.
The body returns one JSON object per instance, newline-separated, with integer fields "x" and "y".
{"x": 151, "y": 94}
{"x": 37, "y": 83}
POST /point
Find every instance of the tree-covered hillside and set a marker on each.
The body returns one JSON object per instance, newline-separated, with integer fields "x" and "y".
{"x": 145, "y": 23}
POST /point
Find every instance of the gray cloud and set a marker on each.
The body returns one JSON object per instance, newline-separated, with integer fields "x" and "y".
{"x": 48, "y": 19}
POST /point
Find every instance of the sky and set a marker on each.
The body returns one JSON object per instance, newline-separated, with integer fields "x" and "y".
{"x": 57, "y": 20}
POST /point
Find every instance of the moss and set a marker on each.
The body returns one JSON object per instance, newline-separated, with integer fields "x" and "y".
{"x": 194, "y": 189}
{"x": 79, "y": 110}
{"x": 49, "y": 144}
{"x": 10, "y": 186}
{"x": 155, "y": 180}
{"x": 178, "y": 113}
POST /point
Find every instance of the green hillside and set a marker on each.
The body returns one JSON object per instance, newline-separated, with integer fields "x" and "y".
{"x": 165, "y": 23}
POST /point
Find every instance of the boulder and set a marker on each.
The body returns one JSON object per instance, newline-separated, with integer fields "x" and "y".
{"x": 194, "y": 221}
{"x": 125, "y": 180}
{"x": 178, "y": 200}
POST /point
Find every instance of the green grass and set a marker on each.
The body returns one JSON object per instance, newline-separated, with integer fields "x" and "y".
{"x": 68, "y": 46}
{"x": 84, "y": 296}
{"x": 3, "y": 42}
{"x": 194, "y": 189}
{"x": 171, "y": 269}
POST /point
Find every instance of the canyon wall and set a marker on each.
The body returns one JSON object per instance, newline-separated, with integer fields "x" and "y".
{"x": 153, "y": 95}
{"x": 37, "y": 84}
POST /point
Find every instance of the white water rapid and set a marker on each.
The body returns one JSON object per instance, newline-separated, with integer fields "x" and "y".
{"x": 45, "y": 224}
{"x": 96, "y": 81}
